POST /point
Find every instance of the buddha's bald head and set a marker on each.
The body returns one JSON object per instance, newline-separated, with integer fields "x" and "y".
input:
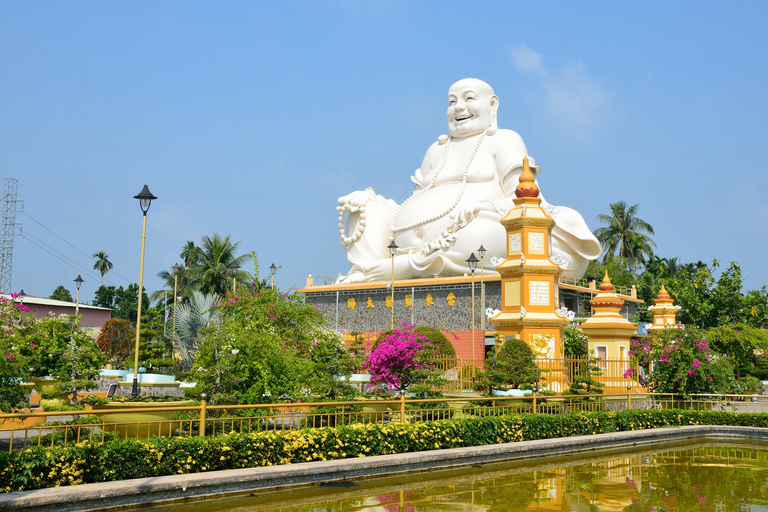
{"x": 472, "y": 107}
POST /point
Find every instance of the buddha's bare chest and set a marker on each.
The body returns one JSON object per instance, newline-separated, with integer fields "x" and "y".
{"x": 460, "y": 162}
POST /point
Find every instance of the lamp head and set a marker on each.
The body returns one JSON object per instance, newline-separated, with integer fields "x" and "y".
{"x": 176, "y": 267}
{"x": 235, "y": 266}
{"x": 145, "y": 198}
{"x": 472, "y": 262}
{"x": 79, "y": 281}
{"x": 392, "y": 248}
{"x": 272, "y": 269}
{"x": 481, "y": 251}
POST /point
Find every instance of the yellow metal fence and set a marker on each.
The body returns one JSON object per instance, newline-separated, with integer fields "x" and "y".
{"x": 24, "y": 430}
{"x": 556, "y": 374}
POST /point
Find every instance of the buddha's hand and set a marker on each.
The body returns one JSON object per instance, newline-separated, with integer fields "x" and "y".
{"x": 353, "y": 201}
{"x": 464, "y": 215}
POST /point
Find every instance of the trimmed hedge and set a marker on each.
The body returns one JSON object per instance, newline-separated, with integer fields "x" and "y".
{"x": 114, "y": 460}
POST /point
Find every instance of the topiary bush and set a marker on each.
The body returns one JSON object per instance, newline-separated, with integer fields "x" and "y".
{"x": 512, "y": 366}
{"x": 438, "y": 341}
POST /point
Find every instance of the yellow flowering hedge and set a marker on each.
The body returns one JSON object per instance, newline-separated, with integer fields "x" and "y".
{"x": 119, "y": 460}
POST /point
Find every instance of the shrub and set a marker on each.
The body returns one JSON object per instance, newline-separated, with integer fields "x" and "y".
{"x": 49, "y": 466}
{"x": 116, "y": 340}
{"x": 401, "y": 359}
{"x": 437, "y": 340}
{"x": 687, "y": 365}
{"x": 512, "y": 366}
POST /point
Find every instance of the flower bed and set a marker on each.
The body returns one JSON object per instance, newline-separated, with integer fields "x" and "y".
{"x": 86, "y": 462}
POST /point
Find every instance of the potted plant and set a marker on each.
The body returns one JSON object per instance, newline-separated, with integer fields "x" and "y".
{"x": 148, "y": 422}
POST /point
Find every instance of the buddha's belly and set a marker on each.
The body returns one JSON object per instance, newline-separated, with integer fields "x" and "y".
{"x": 428, "y": 214}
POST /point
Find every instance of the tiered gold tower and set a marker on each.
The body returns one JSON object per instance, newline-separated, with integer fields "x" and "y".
{"x": 608, "y": 331}
{"x": 664, "y": 311}
{"x": 529, "y": 277}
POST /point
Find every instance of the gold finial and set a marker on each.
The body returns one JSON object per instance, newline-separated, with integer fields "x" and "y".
{"x": 527, "y": 187}
{"x": 663, "y": 294}
{"x": 606, "y": 285}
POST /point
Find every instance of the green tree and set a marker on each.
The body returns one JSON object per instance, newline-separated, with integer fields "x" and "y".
{"x": 513, "y": 366}
{"x": 190, "y": 253}
{"x": 264, "y": 347}
{"x": 61, "y": 293}
{"x": 103, "y": 265}
{"x": 191, "y": 319}
{"x": 15, "y": 329}
{"x": 211, "y": 272}
{"x": 625, "y": 233}
{"x": 122, "y": 301}
{"x": 741, "y": 343}
{"x": 707, "y": 301}
{"x": 182, "y": 282}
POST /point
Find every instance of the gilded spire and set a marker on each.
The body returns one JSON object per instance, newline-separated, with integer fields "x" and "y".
{"x": 663, "y": 294}
{"x": 606, "y": 285}
{"x": 527, "y": 186}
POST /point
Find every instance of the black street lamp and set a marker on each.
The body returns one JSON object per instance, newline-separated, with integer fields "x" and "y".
{"x": 272, "y": 270}
{"x": 78, "y": 282}
{"x": 472, "y": 263}
{"x": 145, "y": 198}
{"x": 392, "y": 250}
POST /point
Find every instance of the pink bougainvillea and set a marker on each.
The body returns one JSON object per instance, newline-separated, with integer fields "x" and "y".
{"x": 399, "y": 360}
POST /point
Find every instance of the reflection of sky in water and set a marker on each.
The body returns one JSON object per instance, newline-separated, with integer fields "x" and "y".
{"x": 688, "y": 478}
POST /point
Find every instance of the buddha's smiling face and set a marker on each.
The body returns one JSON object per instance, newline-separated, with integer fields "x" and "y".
{"x": 471, "y": 107}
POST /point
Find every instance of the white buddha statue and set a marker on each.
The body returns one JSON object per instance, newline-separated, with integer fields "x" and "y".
{"x": 464, "y": 187}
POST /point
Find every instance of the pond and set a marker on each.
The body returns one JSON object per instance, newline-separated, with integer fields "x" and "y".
{"x": 702, "y": 476}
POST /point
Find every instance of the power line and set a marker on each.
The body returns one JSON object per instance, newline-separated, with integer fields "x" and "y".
{"x": 55, "y": 256}
{"x": 90, "y": 257}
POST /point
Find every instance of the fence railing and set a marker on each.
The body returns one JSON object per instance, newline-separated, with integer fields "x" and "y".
{"x": 24, "y": 430}
{"x": 556, "y": 374}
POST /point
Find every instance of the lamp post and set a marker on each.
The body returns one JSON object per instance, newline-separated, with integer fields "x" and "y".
{"x": 472, "y": 263}
{"x": 145, "y": 198}
{"x": 78, "y": 282}
{"x": 481, "y": 251}
{"x": 272, "y": 270}
{"x": 234, "y": 267}
{"x": 176, "y": 267}
{"x": 392, "y": 250}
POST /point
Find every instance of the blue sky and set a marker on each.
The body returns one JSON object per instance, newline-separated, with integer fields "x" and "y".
{"x": 252, "y": 118}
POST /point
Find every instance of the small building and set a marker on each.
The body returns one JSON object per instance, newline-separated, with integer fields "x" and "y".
{"x": 91, "y": 316}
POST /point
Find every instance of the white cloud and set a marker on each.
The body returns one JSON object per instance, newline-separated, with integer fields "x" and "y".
{"x": 527, "y": 61}
{"x": 570, "y": 97}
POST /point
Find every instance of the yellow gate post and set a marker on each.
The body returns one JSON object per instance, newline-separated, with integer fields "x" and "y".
{"x": 203, "y": 398}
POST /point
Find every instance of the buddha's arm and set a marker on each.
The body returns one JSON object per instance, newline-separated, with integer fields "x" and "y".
{"x": 422, "y": 176}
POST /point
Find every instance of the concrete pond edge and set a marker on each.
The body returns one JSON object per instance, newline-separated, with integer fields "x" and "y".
{"x": 172, "y": 488}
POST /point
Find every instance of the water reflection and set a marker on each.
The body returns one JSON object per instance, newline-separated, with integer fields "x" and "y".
{"x": 701, "y": 477}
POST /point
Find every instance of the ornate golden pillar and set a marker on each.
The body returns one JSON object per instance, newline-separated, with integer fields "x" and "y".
{"x": 529, "y": 277}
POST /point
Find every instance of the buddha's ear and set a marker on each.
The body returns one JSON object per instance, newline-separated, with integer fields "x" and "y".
{"x": 494, "y": 107}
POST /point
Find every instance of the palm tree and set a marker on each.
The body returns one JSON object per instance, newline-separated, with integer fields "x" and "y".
{"x": 624, "y": 233}
{"x": 183, "y": 285}
{"x": 212, "y": 271}
{"x": 191, "y": 318}
{"x": 103, "y": 265}
{"x": 190, "y": 253}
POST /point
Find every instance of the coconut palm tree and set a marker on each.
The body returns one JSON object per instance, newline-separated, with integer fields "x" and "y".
{"x": 625, "y": 233}
{"x": 212, "y": 273}
{"x": 190, "y": 253}
{"x": 183, "y": 285}
{"x": 103, "y": 265}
